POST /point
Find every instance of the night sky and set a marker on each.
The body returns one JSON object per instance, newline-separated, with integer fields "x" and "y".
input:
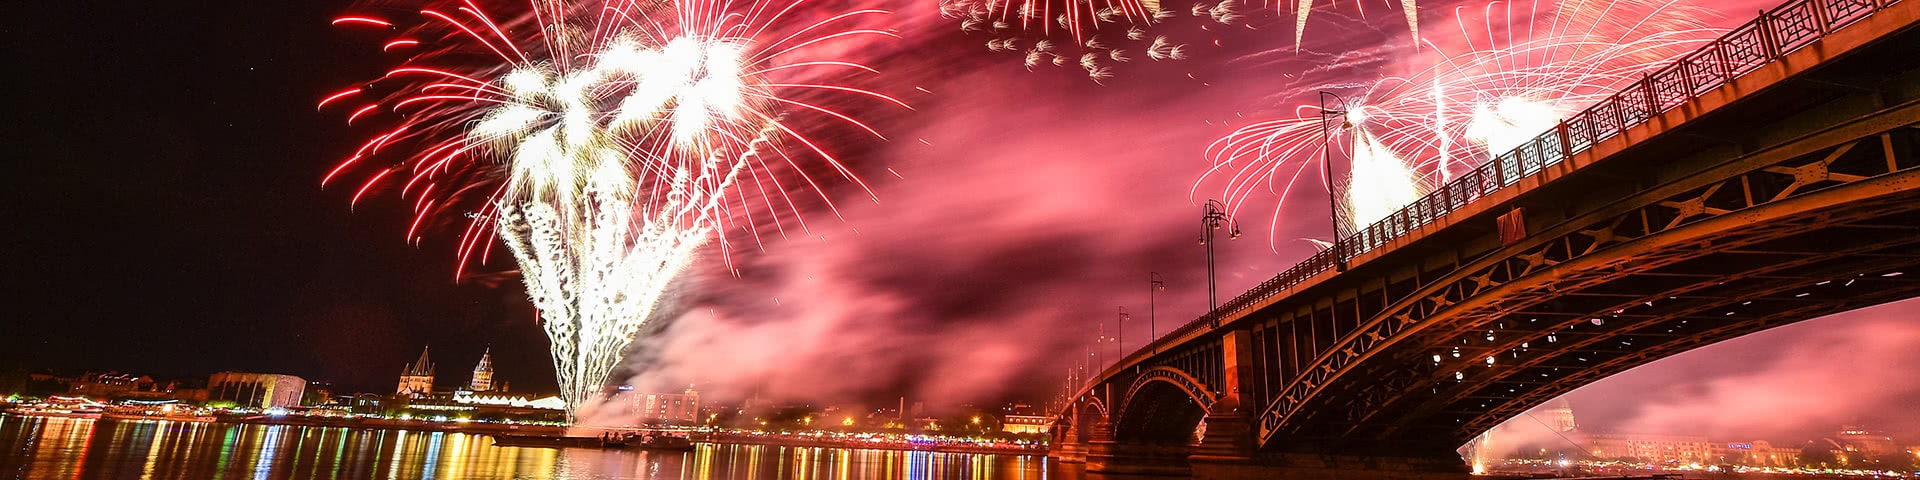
{"x": 165, "y": 217}
{"x": 165, "y": 204}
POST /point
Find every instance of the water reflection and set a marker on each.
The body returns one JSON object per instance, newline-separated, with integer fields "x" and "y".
{"x": 38, "y": 447}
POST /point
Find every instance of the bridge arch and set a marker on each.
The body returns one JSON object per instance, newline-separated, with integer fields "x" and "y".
{"x": 1086, "y": 413}
{"x": 1163, "y": 405}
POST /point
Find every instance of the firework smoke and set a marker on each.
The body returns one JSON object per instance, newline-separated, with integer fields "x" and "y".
{"x": 631, "y": 136}
{"x": 1510, "y": 75}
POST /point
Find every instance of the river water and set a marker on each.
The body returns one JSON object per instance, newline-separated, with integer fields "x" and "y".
{"x": 61, "y": 448}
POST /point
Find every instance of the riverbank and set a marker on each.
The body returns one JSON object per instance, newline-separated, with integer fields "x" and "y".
{"x": 479, "y": 428}
{"x": 895, "y": 442}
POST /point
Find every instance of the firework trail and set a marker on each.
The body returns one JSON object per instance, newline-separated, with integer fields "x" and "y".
{"x": 1516, "y": 71}
{"x": 605, "y": 144}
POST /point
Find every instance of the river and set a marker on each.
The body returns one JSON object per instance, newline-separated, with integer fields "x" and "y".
{"x": 62, "y": 448}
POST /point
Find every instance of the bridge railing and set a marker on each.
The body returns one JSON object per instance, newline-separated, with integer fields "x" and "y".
{"x": 1741, "y": 50}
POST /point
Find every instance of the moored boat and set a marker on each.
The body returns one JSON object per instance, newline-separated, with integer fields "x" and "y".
{"x": 664, "y": 442}
{"x": 548, "y": 441}
{"x": 50, "y": 410}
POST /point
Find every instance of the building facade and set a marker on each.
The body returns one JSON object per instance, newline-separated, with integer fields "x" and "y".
{"x": 683, "y": 408}
{"x": 1030, "y": 424}
{"x": 1858, "y": 442}
{"x": 1652, "y": 448}
{"x": 110, "y": 385}
{"x": 256, "y": 390}
{"x": 1558, "y": 415}
{"x": 416, "y": 379}
{"x": 1758, "y": 453}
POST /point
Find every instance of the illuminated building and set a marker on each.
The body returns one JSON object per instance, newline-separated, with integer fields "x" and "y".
{"x": 482, "y": 373}
{"x": 1858, "y": 442}
{"x": 508, "y": 400}
{"x": 416, "y": 379}
{"x": 110, "y": 385}
{"x": 256, "y": 390}
{"x": 1759, "y": 453}
{"x": 1559, "y": 416}
{"x": 1023, "y": 424}
{"x": 1651, "y": 448}
{"x": 665, "y": 407}
{"x": 318, "y": 393}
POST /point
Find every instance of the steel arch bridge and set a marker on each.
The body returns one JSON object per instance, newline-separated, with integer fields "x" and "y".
{"x": 1771, "y": 177}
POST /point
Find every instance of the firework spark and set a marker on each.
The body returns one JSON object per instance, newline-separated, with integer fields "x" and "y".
{"x": 1093, "y": 35}
{"x": 608, "y": 147}
{"x": 1103, "y": 27}
{"x": 1513, "y": 78}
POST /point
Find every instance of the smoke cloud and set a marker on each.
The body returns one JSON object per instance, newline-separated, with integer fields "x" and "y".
{"x": 1796, "y": 382}
{"x": 1017, "y": 210}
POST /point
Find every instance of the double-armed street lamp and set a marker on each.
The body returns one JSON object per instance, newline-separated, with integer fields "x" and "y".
{"x": 1326, "y": 165}
{"x": 1216, "y": 217}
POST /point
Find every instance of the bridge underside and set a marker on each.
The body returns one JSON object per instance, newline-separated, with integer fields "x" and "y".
{"x": 1565, "y": 325}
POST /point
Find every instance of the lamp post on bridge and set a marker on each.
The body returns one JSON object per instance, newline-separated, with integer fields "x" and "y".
{"x": 1154, "y": 285}
{"x": 1216, "y": 217}
{"x": 1120, "y": 335}
{"x": 1326, "y": 165}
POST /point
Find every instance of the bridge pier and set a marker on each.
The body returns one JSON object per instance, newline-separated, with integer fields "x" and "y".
{"x": 1067, "y": 445}
{"x": 1104, "y": 455}
{"x": 1228, "y": 450}
{"x": 1069, "y": 453}
{"x": 1228, "y": 439}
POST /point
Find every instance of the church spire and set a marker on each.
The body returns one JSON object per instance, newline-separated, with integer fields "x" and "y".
{"x": 483, "y": 373}
{"x": 422, "y": 366}
{"x": 416, "y": 380}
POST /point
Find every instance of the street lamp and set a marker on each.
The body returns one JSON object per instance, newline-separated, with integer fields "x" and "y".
{"x": 1120, "y": 334}
{"x": 1326, "y": 164}
{"x": 1154, "y": 285}
{"x": 1216, "y": 217}
{"x": 1100, "y": 349}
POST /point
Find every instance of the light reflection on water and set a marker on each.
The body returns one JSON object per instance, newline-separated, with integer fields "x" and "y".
{"x": 36, "y": 447}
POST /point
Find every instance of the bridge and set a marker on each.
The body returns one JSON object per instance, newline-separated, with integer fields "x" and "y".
{"x": 1770, "y": 177}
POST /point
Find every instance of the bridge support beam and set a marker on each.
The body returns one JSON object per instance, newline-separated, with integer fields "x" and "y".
{"x": 1228, "y": 448}
{"x": 1069, "y": 453}
{"x": 1229, "y": 437}
{"x": 1068, "y": 448}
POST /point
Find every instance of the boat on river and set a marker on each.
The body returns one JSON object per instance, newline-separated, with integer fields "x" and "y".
{"x": 661, "y": 441}
{"x": 548, "y": 441}
{"x": 54, "y": 410}
{"x": 654, "y": 441}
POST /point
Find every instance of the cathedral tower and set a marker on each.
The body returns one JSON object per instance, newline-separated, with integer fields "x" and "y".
{"x": 416, "y": 379}
{"x": 483, "y": 373}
